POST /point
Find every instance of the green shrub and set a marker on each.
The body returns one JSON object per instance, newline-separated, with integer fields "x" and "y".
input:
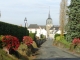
{"x": 59, "y": 35}
{"x": 1, "y": 37}
{"x": 56, "y": 35}
{"x": 42, "y": 36}
{"x": 14, "y": 30}
{"x": 64, "y": 41}
{"x": 65, "y": 35}
{"x": 57, "y": 38}
{"x": 1, "y": 41}
{"x": 61, "y": 39}
{"x": 4, "y": 56}
{"x": 32, "y": 35}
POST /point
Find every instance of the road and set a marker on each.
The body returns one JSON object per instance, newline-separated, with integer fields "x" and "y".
{"x": 48, "y": 51}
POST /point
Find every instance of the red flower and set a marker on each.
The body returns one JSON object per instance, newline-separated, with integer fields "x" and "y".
{"x": 76, "y": 41}
{"x": 27, "y": 40}
{"x": 11, "y": 42}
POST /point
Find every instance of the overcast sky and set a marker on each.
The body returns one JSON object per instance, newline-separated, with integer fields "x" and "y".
{"x": 36, "y": 11}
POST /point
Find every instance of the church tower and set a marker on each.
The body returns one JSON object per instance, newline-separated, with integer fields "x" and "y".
{"x": 49, "y": 23}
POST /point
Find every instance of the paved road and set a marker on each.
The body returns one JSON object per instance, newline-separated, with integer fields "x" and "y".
{"x": 48, "y": 51}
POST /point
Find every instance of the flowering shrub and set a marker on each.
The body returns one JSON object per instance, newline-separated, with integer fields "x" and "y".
{"x": 27, "y": 40}
{"x": 76, "y": 41}
{"x": 1, "y": 37}
{"x": 10, "y": 42}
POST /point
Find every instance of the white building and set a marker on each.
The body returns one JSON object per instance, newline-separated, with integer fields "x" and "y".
{"x": 53, "y": 31}
{"x": 34, "y": 28}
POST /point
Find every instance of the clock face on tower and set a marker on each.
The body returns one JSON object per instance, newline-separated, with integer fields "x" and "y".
{"x": 49, "y": 21}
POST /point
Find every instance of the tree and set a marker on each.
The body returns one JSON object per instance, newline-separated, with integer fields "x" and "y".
{"x": 73, "y": 26}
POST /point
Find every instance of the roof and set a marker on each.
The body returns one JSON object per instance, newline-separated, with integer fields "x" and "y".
{"x": 49, "y": 18}
{"x": 51, "y": 28}
{"x": 55, "y": 26}
{"x": 33, "y": 26}
{"x": 43, "y": 26}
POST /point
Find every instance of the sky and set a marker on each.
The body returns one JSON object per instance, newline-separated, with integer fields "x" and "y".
{"x": 36, "y": 11}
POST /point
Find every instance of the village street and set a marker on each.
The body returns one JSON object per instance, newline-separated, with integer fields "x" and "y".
{"x": 48, "y": 51}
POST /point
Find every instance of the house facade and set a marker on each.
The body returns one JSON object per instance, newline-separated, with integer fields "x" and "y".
{"x": 34, "y": 28}
{"x": 53, "y": 31}
{"x": 47, "y": 30}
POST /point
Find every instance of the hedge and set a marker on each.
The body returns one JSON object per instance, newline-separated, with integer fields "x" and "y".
{"x": 58, "y": 35}
{"x": 14, "y": 30}
{"x": 32, "y": 35}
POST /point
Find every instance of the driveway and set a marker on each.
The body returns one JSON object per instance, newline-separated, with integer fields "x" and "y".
{"x": 48, "y": 51}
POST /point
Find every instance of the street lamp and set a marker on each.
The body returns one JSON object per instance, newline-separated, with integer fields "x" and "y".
{"x": 25, "y": 21}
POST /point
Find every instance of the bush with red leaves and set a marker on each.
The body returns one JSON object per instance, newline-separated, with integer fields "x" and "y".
{"x": 76, "y": 41}
{"x": 27, "y": 40}
{"x": 10, "y": 42}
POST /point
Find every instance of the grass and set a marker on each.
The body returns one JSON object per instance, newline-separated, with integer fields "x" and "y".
{"x": 23, "y": 55}
{"x": 66, "y": 44}
{"x": 5, "y": 56}
{"x": 34, "y": 45}
{"x": 63, "y": 41}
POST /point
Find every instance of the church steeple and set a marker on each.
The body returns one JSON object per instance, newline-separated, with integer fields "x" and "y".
{"x": 49, "y": 13}
{"x": 49, "y": 23}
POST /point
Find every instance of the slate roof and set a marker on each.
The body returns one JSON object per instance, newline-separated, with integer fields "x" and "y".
{"x": 49, "y": 18}
{"x": 33, "y": 26}
{"x": 51, "y": 28}
{"x": 55, "y": 26}
{"x": 43, "y": 26}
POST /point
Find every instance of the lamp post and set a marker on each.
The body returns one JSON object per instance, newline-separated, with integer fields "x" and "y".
{"x": 25, "y": 21}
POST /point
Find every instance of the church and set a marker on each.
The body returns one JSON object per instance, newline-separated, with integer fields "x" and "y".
{"x": 47, "y": 30}
{"x": 50, "y": 28}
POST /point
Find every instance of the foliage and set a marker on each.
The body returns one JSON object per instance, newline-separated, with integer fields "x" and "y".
{"x": 14, "y": 30}
{"x": 10, "y": 42}
{"x": 73, "y": 26}
{"x": 34, "y": 44}
{"x": 27, "y": 40}
{"x": 76, "y": 41}
{"x": 22, "y": 47}
{"x": 65, "y": 42}
{"x": 32, "y": 35}
{"x": 4, "y": 56}
{"x": 1, "y": 37}
{"x": 57, "y": 38}
{"x": 61, "y": 39}
{"x": 56, "y": 35}
{"x": 1, "y": 41}
{"x": 22, "y": 51}
{"x": 42, "y": 36}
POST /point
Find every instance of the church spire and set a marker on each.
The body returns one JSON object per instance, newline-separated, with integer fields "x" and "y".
{"x": 49, "y": 13}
